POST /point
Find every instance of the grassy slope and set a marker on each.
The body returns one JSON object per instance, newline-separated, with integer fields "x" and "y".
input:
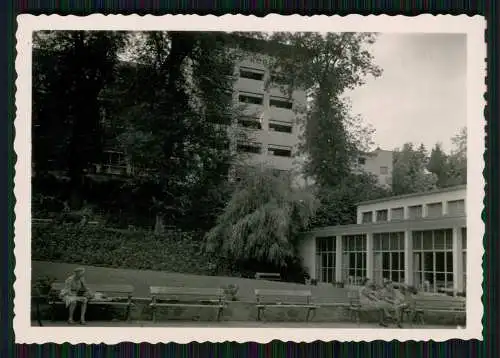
{"x": 142, "y": 279}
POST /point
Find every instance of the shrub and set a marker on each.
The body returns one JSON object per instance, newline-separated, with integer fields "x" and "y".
{"x": 174, "y": 251}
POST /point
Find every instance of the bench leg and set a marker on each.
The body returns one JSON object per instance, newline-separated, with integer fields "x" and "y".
{"x": 127, "y": 312}
{"x": 38, "y": 318}
{"x": 219, "y": 313}
{"x": 153, "y": 314}
{"x": 53, "y": 312}
{"x": 308, "y": 313}
{"x": 258, "y": 313}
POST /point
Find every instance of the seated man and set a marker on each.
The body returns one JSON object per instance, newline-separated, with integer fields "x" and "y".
{"x": 370, "y": 298}
{"x": 75, "y": 291}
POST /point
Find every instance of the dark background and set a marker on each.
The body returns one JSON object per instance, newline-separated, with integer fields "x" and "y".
{"x": 486, "y": 348}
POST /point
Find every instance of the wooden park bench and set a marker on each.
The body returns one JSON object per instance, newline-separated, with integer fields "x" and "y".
{"x": 164, "y": 297}
{"x": 435, "y": 304}
{"x": 284, "y": 299}
{"x": 113, "y": 295}
{"x": 269, "y": 276}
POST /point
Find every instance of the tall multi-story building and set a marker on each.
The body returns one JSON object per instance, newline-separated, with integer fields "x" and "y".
{"x": 268, "y": 116}
{"x": 379, "y": 163}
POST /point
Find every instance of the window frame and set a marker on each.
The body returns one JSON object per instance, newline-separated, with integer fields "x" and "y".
{"x": 420, "y": 272}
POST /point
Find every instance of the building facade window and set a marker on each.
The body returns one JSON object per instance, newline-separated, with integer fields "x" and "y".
{"x": 279, "y": 151}
{"x": 279, "y": 79}
{"x": 325, "y": 259}
{"x": 362, "y": 161}
{"x": 354, "y": 259}
{"x": 255, "y": 148}
{"x": 367, "y": 217}
{"x": 283, "y": 127}
{"x": 250, "y": 122}
{"x": 456, "y": 207}
{"x": 384, "y": 170}
{"x": 388, "y": 257}
{"x": 280, "y": 103}
{"x": 251, "y": 98}
{"x": 251, "y": 73}
{"x": 382, "y": 215}
{"x": 433, "y": 259}
{"x": 415, "y": 212}
{"x": 434, "y": 210}
{"x": 397, "y": 214}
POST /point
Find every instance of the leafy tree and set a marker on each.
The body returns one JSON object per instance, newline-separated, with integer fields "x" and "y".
{"x": 458, "y": 159}
{"x": 450, "y": 169}
{"x": 70, "y": 70}
{"x": 409, "y": 173}
{"x": 339, "y": 203}
{"x": 187, "y": 101}
{"x": 326, "y": 66}
{"x": 438, "y": 165}
{"x": 262, "y": 220}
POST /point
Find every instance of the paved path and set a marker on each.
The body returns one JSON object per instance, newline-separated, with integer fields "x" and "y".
{"x": 246, "y": 324}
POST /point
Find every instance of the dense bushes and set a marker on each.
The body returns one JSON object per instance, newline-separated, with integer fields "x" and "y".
{"x": 175, "y": 251}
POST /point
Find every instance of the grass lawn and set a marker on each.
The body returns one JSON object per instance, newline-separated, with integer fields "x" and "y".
{"x": 142, "y": 279}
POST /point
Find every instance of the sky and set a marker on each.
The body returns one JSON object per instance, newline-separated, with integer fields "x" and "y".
{"x": 421, "y": 95}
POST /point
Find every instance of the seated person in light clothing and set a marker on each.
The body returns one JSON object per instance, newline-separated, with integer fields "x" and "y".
{"x": 368, "y": 297}
{"x": 396, "y": 299}
{"x": 76, "y": 291}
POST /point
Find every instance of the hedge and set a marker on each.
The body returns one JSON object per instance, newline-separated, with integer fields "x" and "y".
{"x": 174, "y": 251}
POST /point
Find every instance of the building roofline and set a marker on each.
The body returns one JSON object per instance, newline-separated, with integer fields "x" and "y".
{"x": 414, "y": 195}
{"x": 445, "y": 221}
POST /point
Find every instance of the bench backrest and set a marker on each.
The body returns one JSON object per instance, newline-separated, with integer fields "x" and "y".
{"x": 108, "y": 289}
{"x": 440, "y": 302}
{"x": 337, "y": 296}
{"x": 283, "y": 296}
{"x": 186, "y": 293}
{"x": 268, "y": 275}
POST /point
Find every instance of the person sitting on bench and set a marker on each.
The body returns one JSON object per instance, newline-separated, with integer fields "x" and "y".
{"x": 368, "y": 297}
{"x": 75, "y": 290}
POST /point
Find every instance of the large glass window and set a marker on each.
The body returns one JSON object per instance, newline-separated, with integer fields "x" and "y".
{"x": 433, "y": 259}
{"x": 354, "y": 258}
{"x": 388, "y": 257}
{"x": 434, "y": 210}
{"x": 456, "y": 207}
{"x": 397, "y": 214}
{"x": 415, "y": 212}
{"x": 382, "y": 215}
{"x": 367, "y": 217}
{"x": 325, "y": 259}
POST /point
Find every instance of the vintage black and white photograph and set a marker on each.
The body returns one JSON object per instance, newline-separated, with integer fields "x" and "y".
{"x": 241, "y": 178}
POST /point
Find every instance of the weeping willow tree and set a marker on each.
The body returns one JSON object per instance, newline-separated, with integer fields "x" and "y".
{"x": 262, "y": 221}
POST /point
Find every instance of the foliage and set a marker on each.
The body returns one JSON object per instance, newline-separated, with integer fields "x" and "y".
{"x": 438, "y": 165}
{"x": 447, "y": 170}
{"x": 458, "y": 158}
{"x": 70, "y": 70}
{"x": 262, "y": 220}
{"x": 338, "y": 203}
{"x": 42, "y": 285}
{"x": 326, "y": 66}
{"x": 409, "y": 173}
{"x": 187, "y": 101}
{"x": 174, "y": 252}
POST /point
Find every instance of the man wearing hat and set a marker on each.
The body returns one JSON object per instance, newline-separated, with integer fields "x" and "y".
{"x": 75, "y": 290}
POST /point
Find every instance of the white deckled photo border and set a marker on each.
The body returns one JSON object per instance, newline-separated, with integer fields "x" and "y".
{"x": 474, "y": 27}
